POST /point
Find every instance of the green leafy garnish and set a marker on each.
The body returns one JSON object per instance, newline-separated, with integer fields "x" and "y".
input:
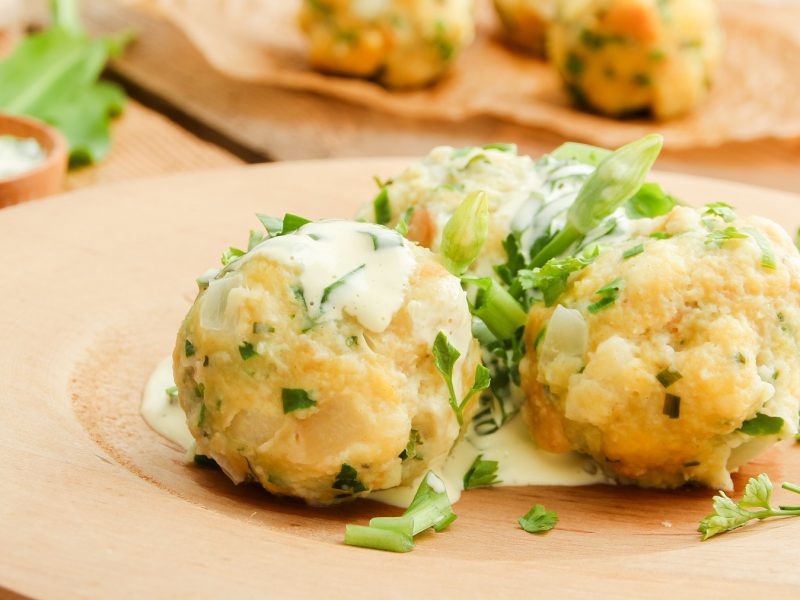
{"x": 481, "y": 473}
{"x": 649, "y": 202}
{"x": 668, "y": 376}
{"x": 347, "y": 481}
{"x": 538, "y": 520}
{"x": 608, "y": 295}
{"x": 617, "y": 178}
{"x": 445, "y": 356}
{"x": 720, "y": 236}
{"x": 496, "y": 307}
{"x": 172, "y": 392}
{"x": 465, "y": 233}
{"x": 292, "y": 223}
{"x": 405, "y": 221}
{"x": 551, "y": 279}
{"x": 326, "y": 293}
{"x": 719, "y": 209}
{"x": 296, "y": 399}
{"x": 231, "y": 255}
{"x": 672, "y": 406}
{"x": 410, "y": 451}
{"x": 382, "y": 208}
{"x": 631, "y": 252}
{"x": 767, "y": 254}
{"x": 729, "y": 515}
{"x": 188, "y": 348}
{"x": 762, "y": 424}
{"x": 256, "y": 237}
{"x": 273, "y": 225}
{"x": 53, "y": 76}
{"x": 247, "y": 351}
{"x": 508, "y": 148}
{"x": 429, "y": 508}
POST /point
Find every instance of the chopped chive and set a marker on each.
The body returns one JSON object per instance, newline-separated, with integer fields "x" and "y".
{"x": 740, "y": 358}
{"x": 668, "y": 376}
{"x": 347, "y": 481}
{"x": 762, "y": 424}
{"x": 672, "y": 406}
{"x": 351, "y": 341}
{"x": 172, "y": 392}
{"x": 326, "y": 293}
{"x": 631, "y": 252}
{"x": 722, "y": 210}
{"x": 508, "y": 148}
{"x": 377, "y": 538}
{"x": 247, "y": 351}
{"x": 201, "y": 419}
{"x": 660, "y": 235}
{"x": 296, "y": 399}
{"x": 608, "y": 295}
{"x": 410, "y": 451}
{"x": 539, "y": 337}
{"x": 405, "y": 221}
{"x": 188, "y": 348}
{"x": 767, "y": 254}
{"x": 200, "y": 390}
{"x": 382, "y": 208}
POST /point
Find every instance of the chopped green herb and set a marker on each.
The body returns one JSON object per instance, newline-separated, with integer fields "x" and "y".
{"x": 273, "y": 225}
{"x": 231, "y": 255}
{"x": 497, "y": 308}
{"x": 410, "y": 451}
{"x": 631, "y": 252}
{"x": 326, "y": 293}
{"x": 574, "y": 64}
{"x": 445, "y": 356}
{"x": 465, "y": 233}
{"x": 201, "y": 419}
{"x": 188, "y": 348}
{"x": 719, "y": 209}
{"x": 608, "y": 295}
{"x": 476, "y": 158}
{"x": 720, "y": 236}
{"x": 729, "y": 515}
{"x": 582, "y": 153}
{"x": 247, "y": 351}
{"x": 551, "y": 279}
{"x": 200, "y": 390}
{"x": 382, "y": 208}
{"x": 668, "y": 376}
{"x": 508, "y": 148}
{"x": 256, "y": 237}
{"x": 405, "y": 221}
{"x": 351, "y": 340}
{"x": 292, "y": 223}
{"x": 660, "y": 235}
{"x": 377, "y": 538}
{"x": 262, "y": 328}
{"x": 172, "y": 392}
{"x": 442, "y": 43}
{"x": 767, "y": 254}
{"x": 649, "y": 202}
{"x": 740, "y": 358}
{"x": 672, "y": 406}
{"x": 538, "y": 520}
{"x": 481, "y": 473}
{"x": 539, "y": 337}
{"x": 642, "y": 79}
{"x": 296, "y": 399}
{"x": 347, "y": 481}
{"x": 762, "y": 424}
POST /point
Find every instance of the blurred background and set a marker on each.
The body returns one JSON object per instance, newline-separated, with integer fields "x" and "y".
{"x": 184, "y": 114}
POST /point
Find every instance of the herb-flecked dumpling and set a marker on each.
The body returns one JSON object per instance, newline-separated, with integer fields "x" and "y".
{"x": 525, "y": 22}
{"x": 400, "y": 43}
{"x": 621, "y": 57}
{"x": 307, "y": 364}
{"x": 673, "y": 357}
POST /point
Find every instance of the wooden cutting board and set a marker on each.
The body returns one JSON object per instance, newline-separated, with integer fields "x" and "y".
{"x": 94, "y": 504}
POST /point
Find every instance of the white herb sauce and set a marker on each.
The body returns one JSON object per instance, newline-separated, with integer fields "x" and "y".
{"x": 357, "y": 268}
{"x": 521, "y": 462}
{"x": 19, "y": 155}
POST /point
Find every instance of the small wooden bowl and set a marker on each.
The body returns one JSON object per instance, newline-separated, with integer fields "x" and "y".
{"x": 48, "y": 177}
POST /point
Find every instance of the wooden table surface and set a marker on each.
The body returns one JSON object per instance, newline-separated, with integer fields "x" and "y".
{"x": 184, "y": 115}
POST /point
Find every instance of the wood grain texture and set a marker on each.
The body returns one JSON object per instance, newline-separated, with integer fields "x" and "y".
{"x": 97, "y": 505}
{"x": 147, "y": 144}
{"x": 282, "y": 125}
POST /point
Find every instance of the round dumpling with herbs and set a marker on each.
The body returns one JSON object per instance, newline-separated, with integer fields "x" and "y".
{"x": 671, "y": 357}
{"x": 522, "y": 196}
{"x": 623, "y": 57}
{"x": 313, "y": 363}
{"x": 400, "y": 43}
{"x": 525, "y": 22}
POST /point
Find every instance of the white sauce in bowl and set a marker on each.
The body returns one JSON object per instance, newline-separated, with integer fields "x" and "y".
{"x": 19, "y": 155}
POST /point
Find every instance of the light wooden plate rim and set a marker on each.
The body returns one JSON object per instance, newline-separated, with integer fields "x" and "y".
{"x": 78, "y": 521}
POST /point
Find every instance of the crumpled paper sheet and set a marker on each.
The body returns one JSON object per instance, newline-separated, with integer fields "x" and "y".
{"x": 757, "y": 93}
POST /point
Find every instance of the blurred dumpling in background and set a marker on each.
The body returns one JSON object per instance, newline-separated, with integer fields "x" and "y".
{"x": 621, "y": 57}
{"x": 400, "y": 43}
{"x": 525, "y": 22}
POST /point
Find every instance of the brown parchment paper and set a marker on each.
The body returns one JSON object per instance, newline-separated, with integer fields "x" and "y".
{"x": 757, "y": 93}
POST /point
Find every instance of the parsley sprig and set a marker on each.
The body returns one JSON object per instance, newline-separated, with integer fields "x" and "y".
{"x": 445, "y": 356}
{"x": 729, "y": 515}
{"x": 538, "y": 519}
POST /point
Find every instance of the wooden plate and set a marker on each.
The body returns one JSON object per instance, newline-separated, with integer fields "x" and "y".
{"x": 95, "y": 504}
